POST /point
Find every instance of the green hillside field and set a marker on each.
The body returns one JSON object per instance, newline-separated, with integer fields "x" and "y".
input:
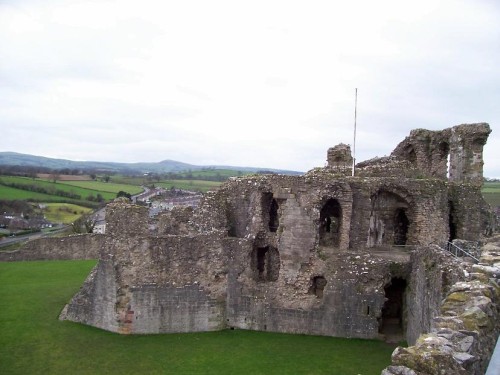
{"x": 51, "y": 188}
{"x": 9, "y": 193}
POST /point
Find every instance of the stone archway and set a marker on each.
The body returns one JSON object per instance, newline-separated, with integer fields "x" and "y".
{"x": 390, "y": 220}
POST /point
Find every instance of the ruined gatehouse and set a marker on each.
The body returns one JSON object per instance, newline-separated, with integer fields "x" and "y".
{"x": 325, "y": 253}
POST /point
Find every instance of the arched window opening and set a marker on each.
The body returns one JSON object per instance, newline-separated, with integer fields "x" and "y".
{"x": 265, "y": 263}
{"x": 318, "y": 284}
{"x": 330, "y": 219}
{"x": 401, "y": 224}
{"x": 392, "y": 320}
{"x": 274, "y": 221}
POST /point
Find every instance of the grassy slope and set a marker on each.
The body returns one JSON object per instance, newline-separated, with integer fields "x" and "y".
{"x": 33, "y": 341}
{"x": 9, "y": 193}
{"x": 84, "y": 193}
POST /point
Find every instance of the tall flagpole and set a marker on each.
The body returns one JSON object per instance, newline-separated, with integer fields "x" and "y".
{"x": 354, "y": 144}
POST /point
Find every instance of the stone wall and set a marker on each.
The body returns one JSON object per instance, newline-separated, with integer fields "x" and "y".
{"x": 84, "y": 246}
{"x": 429, "y": 151}
{"x": 153, "y": 284}
{"x": 433, "y": 272}
{"x": 462, "y": 338}
{"x": 339, "y": 159}
{"x": 336, "y": 294}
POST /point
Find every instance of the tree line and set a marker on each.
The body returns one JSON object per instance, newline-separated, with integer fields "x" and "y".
{"x": 32, "y": 171}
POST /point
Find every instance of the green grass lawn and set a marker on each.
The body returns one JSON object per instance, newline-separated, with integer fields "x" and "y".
{"x": 33, "y": 341}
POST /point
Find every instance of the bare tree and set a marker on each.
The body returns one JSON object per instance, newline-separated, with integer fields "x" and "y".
{"x": 54, "y": 176}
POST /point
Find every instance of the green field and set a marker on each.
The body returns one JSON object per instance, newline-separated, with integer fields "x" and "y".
{"x": 65, "y": 213}
{"x": 9, "y": 193}
{"x": 491, "y": 193}
{"x": 195, "y": 185}
{"x": 491, "y": 187}
{"x": 108, "y": 187}
{"x": 211, "y": 174}
{"x": 33, "y": 341}
{"x": 51, "y": 188}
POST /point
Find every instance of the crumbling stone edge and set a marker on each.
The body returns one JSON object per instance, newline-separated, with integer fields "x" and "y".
{"x": 464, "y": 335}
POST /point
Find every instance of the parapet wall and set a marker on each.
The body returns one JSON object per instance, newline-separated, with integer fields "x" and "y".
{"x": 464, "y": 335}
{"x": 84, "y": 246}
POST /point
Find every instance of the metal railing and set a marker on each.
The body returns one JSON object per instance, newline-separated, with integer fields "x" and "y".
{"x": 457, "y": 252}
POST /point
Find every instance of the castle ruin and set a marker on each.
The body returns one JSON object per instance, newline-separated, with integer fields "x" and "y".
{"x": 322, "y": 254}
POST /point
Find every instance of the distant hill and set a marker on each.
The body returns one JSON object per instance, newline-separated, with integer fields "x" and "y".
{"x": 165, "y": 166}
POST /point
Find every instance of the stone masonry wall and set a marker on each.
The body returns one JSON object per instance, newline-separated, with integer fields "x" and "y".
{"x": 430, "y": 150}
{"x": 146, "y": 284}
{"x": 463, "y": 337}
{"x": 84, "y": 246}
{"x": 348, "y": 304}
{"x": 433, "y": 272}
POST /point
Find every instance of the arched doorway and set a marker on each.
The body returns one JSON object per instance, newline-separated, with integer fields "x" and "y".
{"x": 330, "y": 222}
{"x": 392, "y": 321}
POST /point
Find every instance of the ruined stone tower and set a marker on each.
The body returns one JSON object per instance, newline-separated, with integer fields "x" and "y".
{"x": 339, "y": 159}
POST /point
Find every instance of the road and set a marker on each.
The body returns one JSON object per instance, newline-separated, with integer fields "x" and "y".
{"x": 32, "y": 236}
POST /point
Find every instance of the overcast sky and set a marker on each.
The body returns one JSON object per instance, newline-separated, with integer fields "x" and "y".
{"x": 245, "y": 83}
